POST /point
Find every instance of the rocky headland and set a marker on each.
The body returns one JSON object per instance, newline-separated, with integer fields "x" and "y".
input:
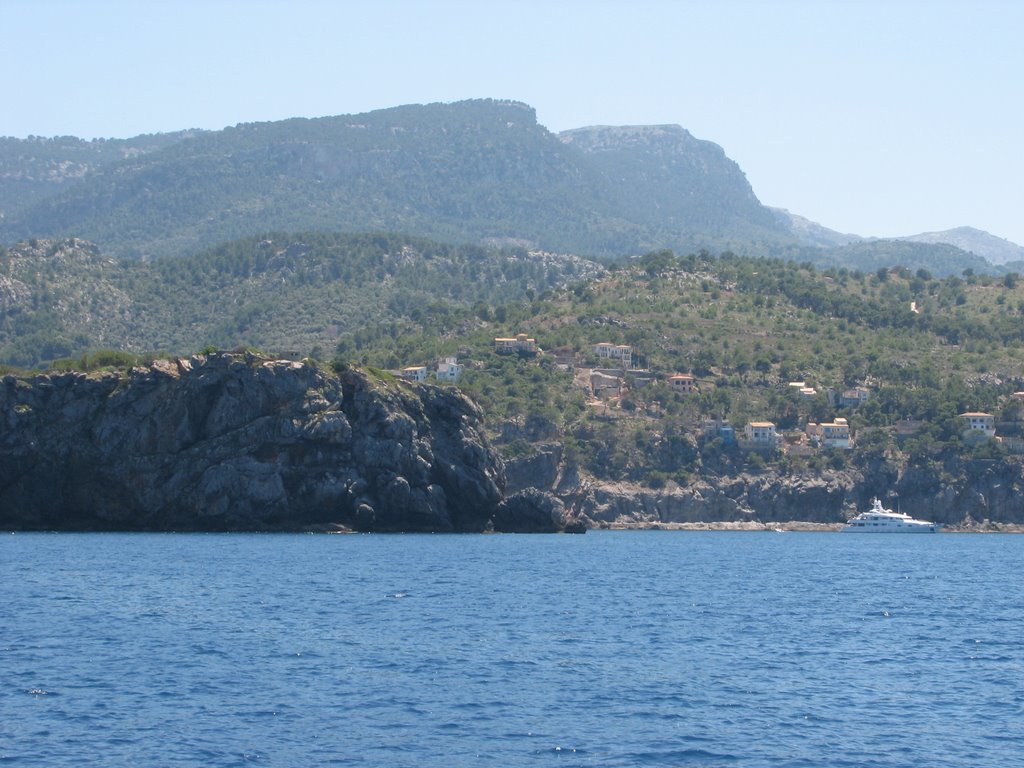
{"x": 240, "y": 442}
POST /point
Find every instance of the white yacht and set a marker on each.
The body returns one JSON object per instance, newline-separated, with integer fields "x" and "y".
{"x": 878, "y": 519}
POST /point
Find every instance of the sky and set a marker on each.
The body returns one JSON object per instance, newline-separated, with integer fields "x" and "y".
{"x": 873, "y": 118}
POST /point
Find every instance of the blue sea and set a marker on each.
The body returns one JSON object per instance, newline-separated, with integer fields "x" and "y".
{"x": 608, "y": 649}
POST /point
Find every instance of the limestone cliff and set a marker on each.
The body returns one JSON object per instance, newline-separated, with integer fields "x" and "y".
{"x": 242, "y": 442}
{"x": 949, "y": 490}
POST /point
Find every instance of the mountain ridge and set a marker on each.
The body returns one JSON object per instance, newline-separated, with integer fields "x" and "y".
{"x": 469, "y": 171}
{"x": 480, "y": 171}
{"x": 995, "y": 250}
{"x": 992, "y": 248}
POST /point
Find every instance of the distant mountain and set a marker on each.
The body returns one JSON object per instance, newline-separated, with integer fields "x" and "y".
{"x": 811, "y": 233}
{"x": 474, "y": 171}
{"x": 995, "y": 249}
{"x": 942, "y": 253}
{"x": 481, "y": 172}
{"x": 939, "y": 259}
{"x": 671, "y": 182}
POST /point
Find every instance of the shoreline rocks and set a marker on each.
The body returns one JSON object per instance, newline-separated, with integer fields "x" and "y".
{"x": 961, "y": 494}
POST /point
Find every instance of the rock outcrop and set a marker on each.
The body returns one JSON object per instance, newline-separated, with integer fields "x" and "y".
{"x": 241, "y": 442}
{"x": 530, "y": 511}
{"x": 740, "y": 499}
{"x": 956, "y": 492}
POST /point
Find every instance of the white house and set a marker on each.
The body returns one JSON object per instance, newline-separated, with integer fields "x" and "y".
{"x": 621, "y": 352}
{"x": 449, "y": 370}
{"x": 980, "y": 424}
{"x": 801, "y": 388}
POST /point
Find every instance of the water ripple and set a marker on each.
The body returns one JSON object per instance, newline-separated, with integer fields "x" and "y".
{"x": 614, "y": 649}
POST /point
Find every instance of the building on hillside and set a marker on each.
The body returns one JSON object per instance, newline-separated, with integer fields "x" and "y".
{"x": 520, "y": 345}
{"x": 848, "y": 398}
{"x": 682, "y": 382}
{"x": 803, "y": 391}
{"x": 605, "y": 385}
{"x": 832, "y": 434}
{"x": 449, "y": 370}
{"x": 415, "y": 373}
{"x": 856, "y": 396}
{"x": 760, "y": 435}
{"x": 620, "y": 352}
{"x": 979, "y": 425}
{"x": 719, "y": 428}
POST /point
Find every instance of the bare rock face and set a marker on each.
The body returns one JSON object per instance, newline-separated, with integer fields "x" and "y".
{"x": 541, "y": 469}
{"x": 955, "y": 493}
{"x": 530, "y": 511}
{"x": 241, "y": 442}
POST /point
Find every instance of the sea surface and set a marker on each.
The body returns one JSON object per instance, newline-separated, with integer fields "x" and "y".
{"x": 608, "y": 649}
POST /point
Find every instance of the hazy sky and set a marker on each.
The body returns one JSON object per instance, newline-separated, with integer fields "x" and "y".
{"x": 876, "y": 118}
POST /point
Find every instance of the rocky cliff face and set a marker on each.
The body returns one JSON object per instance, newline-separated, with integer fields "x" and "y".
{"x": 241, "y": 442}
{"x": 949, "y": 490}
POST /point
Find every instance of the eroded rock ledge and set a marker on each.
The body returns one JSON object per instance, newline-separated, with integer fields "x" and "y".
{"x": 227, "y": 442}
{"x": 960, "y": 493}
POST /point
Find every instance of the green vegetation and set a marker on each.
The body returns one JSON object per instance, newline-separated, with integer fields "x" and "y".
{"x": 171, "y": 264}
{"x": 37, "y": 168}
{"x": 103, "y": 359}
{"x": 927, "y": 348}
{"x": 873, "y": 255}
{"x": 295, "y": 294}
{"x": 744, "y": 328}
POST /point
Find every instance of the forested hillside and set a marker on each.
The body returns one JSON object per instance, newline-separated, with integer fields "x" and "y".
{"x": 36, "y": 168}
{"x": 938, "y": 258}
{"x": 482, "y": 172}
{"x": 294, "y": 293}
{"x": 923, "y": 348}
{"x": 926, "y": 348}
{"x": 477, "y": 171}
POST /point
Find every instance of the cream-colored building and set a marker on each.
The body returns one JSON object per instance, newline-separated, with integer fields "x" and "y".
{"x": 521, "y": 344}
{"x": 761, "y": 434}
{"x": 415, "y": 373}
{"x": 682, "y": 382}
{"x": 832, "y": 434}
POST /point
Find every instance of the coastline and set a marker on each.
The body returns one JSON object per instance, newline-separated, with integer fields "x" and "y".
{"x": 793, "y": 526}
